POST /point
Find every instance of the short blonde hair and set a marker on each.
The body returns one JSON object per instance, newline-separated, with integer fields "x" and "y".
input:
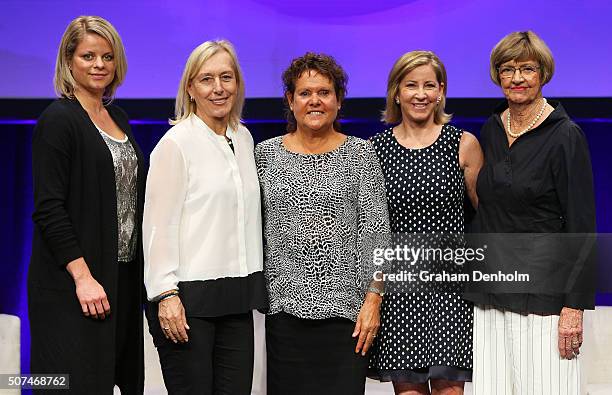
{"x": 63, "y": 81}
{"x": 404, "y": 65}
{"x": 183, "y": 106}
{"x": 521, "y": 46}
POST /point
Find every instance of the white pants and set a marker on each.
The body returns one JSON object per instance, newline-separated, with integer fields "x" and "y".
{"x": 517, "y": 354}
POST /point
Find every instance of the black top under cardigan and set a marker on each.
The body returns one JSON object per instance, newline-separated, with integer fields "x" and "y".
{"x": 542, "y": 183}
{"x": 75, "y": 215}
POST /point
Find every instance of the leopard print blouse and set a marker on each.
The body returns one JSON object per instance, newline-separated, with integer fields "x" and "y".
{"x": 322, "y": 213}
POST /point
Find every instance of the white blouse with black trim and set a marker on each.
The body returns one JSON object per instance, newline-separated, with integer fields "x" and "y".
{"x": 202, "y": 215}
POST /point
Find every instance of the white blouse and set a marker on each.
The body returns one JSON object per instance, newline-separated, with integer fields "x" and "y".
{"x": 202, "y": 214}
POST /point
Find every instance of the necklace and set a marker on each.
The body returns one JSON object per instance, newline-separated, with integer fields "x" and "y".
{"x": 535, "y": 120}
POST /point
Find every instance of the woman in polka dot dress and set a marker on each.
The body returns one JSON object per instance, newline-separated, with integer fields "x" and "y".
{"x": 425, "y": 338}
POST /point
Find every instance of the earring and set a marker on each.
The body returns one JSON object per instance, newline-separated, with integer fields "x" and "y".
{"x": 438, "y": 99}
{"x": 397, "y": 100}
{"x": 190, "y": 98}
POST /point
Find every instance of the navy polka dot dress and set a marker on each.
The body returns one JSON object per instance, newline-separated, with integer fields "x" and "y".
{"x": 423, "y": 335}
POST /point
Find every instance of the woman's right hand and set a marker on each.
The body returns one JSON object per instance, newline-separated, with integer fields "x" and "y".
{"x": 91, "y": 295}
{"x": 172, "y": 319}
{"x": 92, "y": 298}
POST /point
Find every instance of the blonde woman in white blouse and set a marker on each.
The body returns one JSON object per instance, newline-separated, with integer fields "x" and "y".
{"x": 202, "y": 233}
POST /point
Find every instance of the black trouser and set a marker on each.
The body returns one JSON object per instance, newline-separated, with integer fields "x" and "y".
{"x": 313, "y": 356}
{"x": 129, "y": 337}
{"x": 217, "y": 359}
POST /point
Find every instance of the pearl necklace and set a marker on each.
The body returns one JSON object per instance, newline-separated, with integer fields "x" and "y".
{"x": 535, "y": 120}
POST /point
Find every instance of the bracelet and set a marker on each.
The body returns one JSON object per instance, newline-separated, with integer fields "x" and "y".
{"x": 376, "y": 291}
{"x": 169, "y": 295}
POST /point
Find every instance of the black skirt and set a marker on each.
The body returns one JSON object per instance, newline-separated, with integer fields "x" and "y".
{"x": 313, "y": 356}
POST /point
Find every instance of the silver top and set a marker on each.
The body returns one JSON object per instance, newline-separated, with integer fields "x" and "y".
{"x": 126, "y": 170}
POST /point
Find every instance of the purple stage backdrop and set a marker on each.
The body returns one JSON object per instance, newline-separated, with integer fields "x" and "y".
{"x": 365, "y": 36}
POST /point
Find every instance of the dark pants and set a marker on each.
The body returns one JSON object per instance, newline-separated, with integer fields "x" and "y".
{"x": 217, "y": 359}
{"x": 129, "y": 336}
{"x": 313, "y": 356}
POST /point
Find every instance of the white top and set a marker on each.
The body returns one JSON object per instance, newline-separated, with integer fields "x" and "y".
{"x": 202, "y": 214}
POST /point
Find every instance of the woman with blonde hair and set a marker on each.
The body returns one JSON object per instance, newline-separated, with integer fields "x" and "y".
{"x": 88, "y": 199}
{"x": 429, "y": 165}
{"x": 202, "y": 233}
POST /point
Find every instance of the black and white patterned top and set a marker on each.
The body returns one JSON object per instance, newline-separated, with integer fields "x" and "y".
{"x": 126, "y": 169}
{"x": 423, "y": 334}
{"x": 320, "y": 212}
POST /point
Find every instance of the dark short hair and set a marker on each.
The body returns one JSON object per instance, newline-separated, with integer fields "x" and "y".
{"x": 322, "y": 64}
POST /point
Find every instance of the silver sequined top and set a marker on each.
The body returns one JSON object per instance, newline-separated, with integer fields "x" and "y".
{"x": 126, "y": 169}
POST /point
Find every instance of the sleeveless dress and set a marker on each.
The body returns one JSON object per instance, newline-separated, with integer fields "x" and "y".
{"x": 423, "y": 335}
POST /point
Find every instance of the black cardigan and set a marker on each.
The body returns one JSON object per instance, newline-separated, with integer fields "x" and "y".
{"x": 75, "y": 203}
{"x": 75, "y": 215}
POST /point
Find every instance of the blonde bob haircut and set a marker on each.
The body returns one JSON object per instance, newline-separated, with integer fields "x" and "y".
{"x": 522, "y": 46}
{"x": 63, "y": 81}
{"x": 183, "y": 106}
{"x": 404, "y": 65}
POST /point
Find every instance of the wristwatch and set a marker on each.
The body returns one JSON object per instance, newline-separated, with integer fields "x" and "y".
{"x": 376, "y": 291}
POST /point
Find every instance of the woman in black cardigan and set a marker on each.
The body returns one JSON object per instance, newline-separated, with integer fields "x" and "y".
{"x": 85, "y": 277}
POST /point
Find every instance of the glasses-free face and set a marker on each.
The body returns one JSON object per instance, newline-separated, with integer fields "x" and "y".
{"x": 314, "y": 103}
{"x": 419, "y": 93}
{"x": 524, "y": 86}
{"x": 93, "y": 64}
{"x": 214, "y": 90}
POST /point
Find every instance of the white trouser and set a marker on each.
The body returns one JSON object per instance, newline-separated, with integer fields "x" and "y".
{"x": 516, "y": 354}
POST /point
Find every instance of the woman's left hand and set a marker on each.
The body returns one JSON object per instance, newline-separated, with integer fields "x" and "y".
{"x": 570, "y": 332}
{"x": 368, "y": 322}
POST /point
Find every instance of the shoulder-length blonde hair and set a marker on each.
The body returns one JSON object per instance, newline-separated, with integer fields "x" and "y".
{"x": 404, "y": 65}
{"x": 63, "y": 81}
{"x": 184, "y": 107}
{"x": 521, "y": 46}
